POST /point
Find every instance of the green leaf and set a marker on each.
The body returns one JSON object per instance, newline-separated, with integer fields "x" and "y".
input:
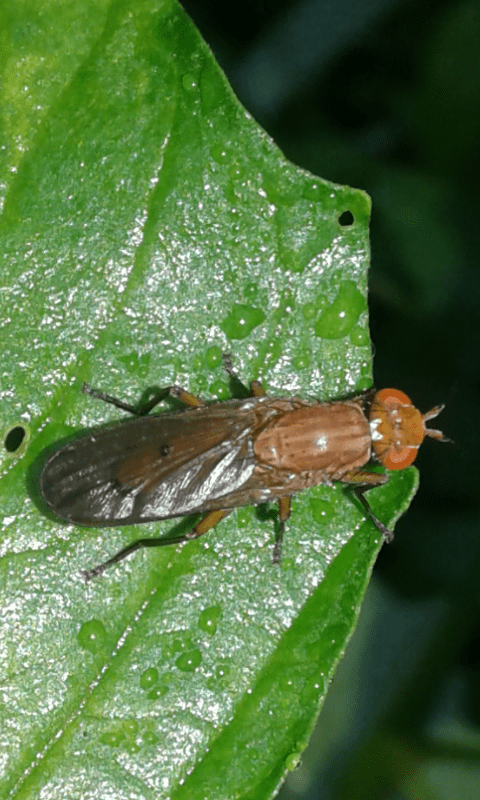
{"x": 148, "y": 226}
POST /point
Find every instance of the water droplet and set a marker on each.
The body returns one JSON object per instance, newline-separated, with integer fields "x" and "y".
{"x": 202, "y": 383}
{"x": 221, "y": 676}
{"x": 176, "y": 646}
{"x": 136, "y": 364}
{"x": 92, "y": 636}
{"x": 292, "y": 761}
{"x": 159, "y": 691}
{"x": 149, "y": 738}
{"x": 308, "y": 311}
{"x": 148, "y": 678}
{"x": 250, "y": 291}
{"x": 338, "y": 319}
{"x": 243, "y": 517}
{"x": 320, "y": 301}
{"x": 112, "y": 738}
{"x": 222, "y": 671}
{"x": 241, "y": 321}
{"x": 322, "y": 511}
{"x": 208, "y": 619}
{"x": 189, "y": 82}
{"x": 302, "y": 360}
{"x": 220, "y": 389}
{"x": 213, "y": 356}
{"x": 189, "y": 661}
{"x": 365, "y": 383}
{"x": 130, "y": 726}
{"x": 359, "y": 336}
{"x": 315, "y": 191}
{"x": 219, "y": 153}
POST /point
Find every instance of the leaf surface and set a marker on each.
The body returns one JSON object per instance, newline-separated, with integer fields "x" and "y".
{"x": 148, "y": 225}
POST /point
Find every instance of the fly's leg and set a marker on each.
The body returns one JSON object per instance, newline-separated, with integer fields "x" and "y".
{"x": 88, "y": 574}
{"x": 360, "y": 494}
{"x": 362, "y": 481}
{"x": 256, "y": 388}
{"x": 208, "y": 522}
{"x": 170, "y": 391}
{"x": 284, "y": 510}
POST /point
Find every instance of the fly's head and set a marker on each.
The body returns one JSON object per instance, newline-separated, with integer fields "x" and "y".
{"x": 398, "y": 428}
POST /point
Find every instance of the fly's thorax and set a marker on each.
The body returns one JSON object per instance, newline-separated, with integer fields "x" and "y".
{"x": 322, "y": 436}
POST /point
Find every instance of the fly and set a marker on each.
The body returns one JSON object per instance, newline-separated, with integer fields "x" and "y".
{"x": 217, "y": 457}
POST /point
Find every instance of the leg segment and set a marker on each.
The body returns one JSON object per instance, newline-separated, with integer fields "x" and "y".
{"x": 170, "y": 391}
{"x": 360, "y": 493}
{"x": 256, "y": 388}
{"x": 284, "y": 510}
{"x": 362, "y": 481}
{"x": 208, "y": 522}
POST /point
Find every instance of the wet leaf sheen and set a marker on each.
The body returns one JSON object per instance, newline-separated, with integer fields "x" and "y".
{"x": 149, "y": 225}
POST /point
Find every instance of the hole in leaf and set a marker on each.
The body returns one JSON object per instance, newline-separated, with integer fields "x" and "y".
{"x": 14, "y": 439}
{"x": 346, "y": 219}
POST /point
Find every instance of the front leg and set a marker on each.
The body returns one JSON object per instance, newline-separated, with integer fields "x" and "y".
{"x": 362, "y": 481}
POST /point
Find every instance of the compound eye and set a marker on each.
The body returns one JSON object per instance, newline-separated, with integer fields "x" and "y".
{"x": 392, "y": 397}
{"x": 399, "y": 459}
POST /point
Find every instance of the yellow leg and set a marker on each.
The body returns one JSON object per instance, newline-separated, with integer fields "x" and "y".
{"x": 284, "y": 508}
{"x": 212, "y": 519}
{"x": 365, "y": 478}
{"x": 186, "y": 397}
{"x": 257, "y": 389}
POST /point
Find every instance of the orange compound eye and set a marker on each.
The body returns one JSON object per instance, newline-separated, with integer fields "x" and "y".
{"x": 392, "y": 397}
{"x": 400, "y": 459}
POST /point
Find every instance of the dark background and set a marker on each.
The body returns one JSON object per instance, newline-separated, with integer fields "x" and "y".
{"x": 384, "y": 95}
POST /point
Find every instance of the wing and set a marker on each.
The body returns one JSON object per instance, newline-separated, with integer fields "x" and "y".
{"x": 151, "y": 468}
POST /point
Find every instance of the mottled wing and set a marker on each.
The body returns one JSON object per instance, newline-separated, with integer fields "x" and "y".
{"x": 150, "y": 468}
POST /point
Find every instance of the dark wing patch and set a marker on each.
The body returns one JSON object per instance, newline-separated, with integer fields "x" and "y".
{"x": 151, "y": 467}
{"x": 143, "y": 467}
